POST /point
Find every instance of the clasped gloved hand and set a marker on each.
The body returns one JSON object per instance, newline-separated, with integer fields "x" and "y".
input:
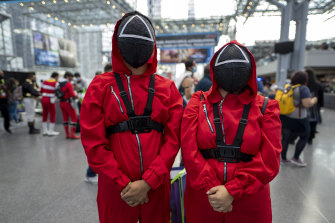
{"x": 136, "y": 193}
{"x": 220, "y": 199}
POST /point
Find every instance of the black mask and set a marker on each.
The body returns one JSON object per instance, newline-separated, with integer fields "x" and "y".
{"x": 232, "y": 68}
{"x": 136, "y": 39}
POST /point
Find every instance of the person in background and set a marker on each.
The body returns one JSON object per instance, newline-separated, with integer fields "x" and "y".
{"x": 4, "y": 94}
{"x": 48, "y": 104}
{"x": 98, "y": 73}
{"x": 15, "y": 94}
{"x": 205, "y": 83}
{"x": 314, "y": 115}
{"x": 67, "y": 107}
{"x": 188, "y": 86}
{"x": 260, "y": 87}
{"x": 130, "y": 124}
{"x": 30, "y": 94}
{"x": 296, "y": 123}
{"x": 108, "y": 68}
{"x": 190, "y": 69}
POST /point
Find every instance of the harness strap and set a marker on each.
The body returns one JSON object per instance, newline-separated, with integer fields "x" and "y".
{"x": 128, "y": 125}
{"x": 124, "y": 96}
{"x": 151, "y": 92}
{"x": 266, "y": 99}
{"x": 217, "y": 123}
{"x": 227, "y": 154}
{"x": 241, "y": 127}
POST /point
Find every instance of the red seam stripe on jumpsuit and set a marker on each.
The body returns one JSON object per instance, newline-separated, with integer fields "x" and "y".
{"x": 247, "y": 182}
{"x": 48, "y": 91}
{"x": 116, "y": 158}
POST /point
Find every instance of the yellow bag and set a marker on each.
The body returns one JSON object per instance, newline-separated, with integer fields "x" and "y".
{"x": 285, "y": 99}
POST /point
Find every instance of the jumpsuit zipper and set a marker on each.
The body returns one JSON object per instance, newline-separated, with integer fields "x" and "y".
{"x": 209, "y": 123}
{"x": 137, "y": 137}
{"x": 224, "y": 141}
{"x": 118, "y": 100}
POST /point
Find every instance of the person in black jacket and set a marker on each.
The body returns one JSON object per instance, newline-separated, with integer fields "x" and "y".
{"x": 205, "y": 83}
{"x": 314, "y": 112}
{"x": 30, "y": 93}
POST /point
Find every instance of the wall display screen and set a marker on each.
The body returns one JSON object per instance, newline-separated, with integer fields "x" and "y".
{"x": 181, "y": 55}
{"x": 52, "y": 51}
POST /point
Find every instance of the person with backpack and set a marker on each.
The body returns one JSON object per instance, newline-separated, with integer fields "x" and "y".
{"x": 48, "y": 104}
{"x": 230, "y": 142}
{"x": 68, "y": 106}
{"x": 130, "y": 121}
{"x": 294, "y": 102}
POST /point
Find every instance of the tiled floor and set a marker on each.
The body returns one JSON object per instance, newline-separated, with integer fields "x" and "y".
{"x": 41, "y": 180}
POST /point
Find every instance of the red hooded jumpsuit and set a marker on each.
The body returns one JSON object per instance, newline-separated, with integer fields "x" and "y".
{"x": 68, "y": 111}
{"x": 247, "y": 182}
{"x": 125, "y": 157}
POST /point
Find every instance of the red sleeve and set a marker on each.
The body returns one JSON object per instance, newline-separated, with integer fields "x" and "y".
{"x": 251, "y": 176}
{"x": 41, "y": 90}
{"x": 159, "y": 170}
{"x": 70, "y": 90}
{"x": 200, "y": 174}
{"x": 93, "y": 136}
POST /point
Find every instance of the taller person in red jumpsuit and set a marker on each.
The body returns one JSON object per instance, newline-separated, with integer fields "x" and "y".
{"x": 230, "y": 139}
{"x": 130, "y": 121}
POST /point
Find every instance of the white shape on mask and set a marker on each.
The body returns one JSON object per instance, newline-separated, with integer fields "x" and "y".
{"x": 217, "y": 63}
{"x": 122, "y": 34}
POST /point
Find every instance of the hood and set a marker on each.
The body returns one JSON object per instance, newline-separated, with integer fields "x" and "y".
{"x": 248, "y": 94}
{"x": 117, "y": 60}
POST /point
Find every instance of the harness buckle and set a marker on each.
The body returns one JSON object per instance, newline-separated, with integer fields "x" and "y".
{"x": 123, "y": 93}
{"x": 228, "y": 153}
{"x": 151, "y": 90}
{"x": 244, "y": 121}
{"x": 139, "y": 124}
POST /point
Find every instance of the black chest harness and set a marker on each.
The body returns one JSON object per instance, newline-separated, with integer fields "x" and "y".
{"x": 136, "y": 123}
{"x": 230, "y": 153}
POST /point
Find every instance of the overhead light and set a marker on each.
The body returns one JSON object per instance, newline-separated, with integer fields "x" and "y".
{"x": 43, "y": 2}
{"x": 75, "y": 26}
{"x": 69, "y": 24}
{"x": 250, "y": 3}
{"x": 31, "y": 8}
{"x": 202, "y": 25}
{"x": 166, "y": 26}
{"x": 54, "y": 1}
{"x": 123, "y": 13}
{"x": 91, "y": 25}
{"x": 157, "y": 27}
{"x": 184, "y": 25}
{"x": 56, "y": 18}
{"x": 49, "y": 15}
{"x": 78, "y": 0}
{"x": 248, "y": 7}
{"x": 21, "y": 4}
{"x": 63, "y": 21}
{"x": 82, "y": 25}
{"x": 108, "y": 2}
{"x": 193, "y": 25}
{"x": 66, "y": 1}
{"x": 114, "y": 6}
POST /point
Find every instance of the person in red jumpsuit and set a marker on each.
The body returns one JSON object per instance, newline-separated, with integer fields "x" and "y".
{"x": 68, "y": 105}
{"x": 48, "y": 104}
{"x": 231, "y": 142}
{"x": 130, "y": 128}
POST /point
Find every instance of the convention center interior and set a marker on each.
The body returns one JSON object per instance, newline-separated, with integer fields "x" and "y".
{"x": 157, "y": 111}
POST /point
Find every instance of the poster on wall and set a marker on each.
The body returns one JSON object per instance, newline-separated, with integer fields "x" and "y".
{"x": 46, "y": 50}
{"x": 181, "y": 55}
{"x": 52, "y": 51}
{"x": 178, "y": 48}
